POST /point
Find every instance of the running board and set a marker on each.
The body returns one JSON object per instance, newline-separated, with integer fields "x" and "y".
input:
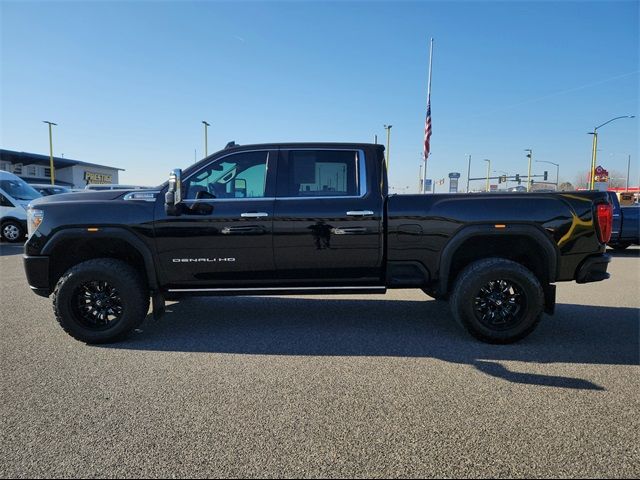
{"x": 172, "y": 292}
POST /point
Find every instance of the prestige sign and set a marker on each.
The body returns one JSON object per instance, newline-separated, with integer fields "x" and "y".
{"x": 453, "y": 182}
{"x": 98, "y": 178}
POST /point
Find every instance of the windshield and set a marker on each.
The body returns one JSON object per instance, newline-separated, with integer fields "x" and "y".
{"x": 19, "y": 189}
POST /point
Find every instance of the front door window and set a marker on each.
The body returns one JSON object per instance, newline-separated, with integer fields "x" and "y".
{"x": 242, "y": 175}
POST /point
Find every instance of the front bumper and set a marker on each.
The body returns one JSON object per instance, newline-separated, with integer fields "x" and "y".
{"x": 37, "y": 270}
{"x": 593, "y": 269}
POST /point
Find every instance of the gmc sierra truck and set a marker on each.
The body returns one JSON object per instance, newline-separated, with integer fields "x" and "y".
{"x": 309, "y": 218}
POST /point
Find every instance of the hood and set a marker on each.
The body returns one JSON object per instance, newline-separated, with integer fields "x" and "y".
{"x": 88, "y": 195}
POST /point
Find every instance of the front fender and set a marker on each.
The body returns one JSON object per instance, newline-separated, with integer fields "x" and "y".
{"x": 107, "y": 233}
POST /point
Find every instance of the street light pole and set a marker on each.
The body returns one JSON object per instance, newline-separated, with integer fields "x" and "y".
{"x": 388, "y": 129}
{"x": 468, "y": 173}
{"x": 628, "y": 169}
{"x": 51, "y": 152}
{"x": 529, "y": 156}
{"x": 592, "y": 170}
{"x": 206, "y": 146}
{"x": 595, "y": 147}
{"x": 488, "y": 171}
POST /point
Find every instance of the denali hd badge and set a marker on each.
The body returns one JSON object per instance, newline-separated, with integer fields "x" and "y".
{"x": 203, "y": 260}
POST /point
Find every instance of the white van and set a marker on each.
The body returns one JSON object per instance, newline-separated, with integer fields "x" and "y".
{"x": 15, "y": 195}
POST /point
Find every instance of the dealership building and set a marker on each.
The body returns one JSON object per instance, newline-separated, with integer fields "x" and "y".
{"x": 35, "y": 168}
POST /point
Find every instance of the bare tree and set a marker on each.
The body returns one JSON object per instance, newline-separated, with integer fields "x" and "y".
{"x": 566, "y": 187}
{"x": 582, "y": 179}
{"x": 617, "y": 179}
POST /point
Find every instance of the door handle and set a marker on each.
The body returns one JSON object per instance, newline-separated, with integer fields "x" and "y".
{"x": 250, "y": 230}
{"x": 349, "y": 230}
{"x": 360, "y": 213}
{"x": 254, "y": 214}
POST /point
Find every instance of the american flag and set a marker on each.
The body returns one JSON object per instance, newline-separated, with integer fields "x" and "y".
{"x": 427, "y": 131}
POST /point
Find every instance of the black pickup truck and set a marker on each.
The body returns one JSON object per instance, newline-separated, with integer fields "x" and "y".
{"x": 309, "y": 218}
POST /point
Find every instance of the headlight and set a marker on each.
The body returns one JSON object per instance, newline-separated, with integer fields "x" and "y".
{"x": 34, "y": 219}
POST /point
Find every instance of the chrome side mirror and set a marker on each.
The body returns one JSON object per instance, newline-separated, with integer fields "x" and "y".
{"x": 173, "y": 197}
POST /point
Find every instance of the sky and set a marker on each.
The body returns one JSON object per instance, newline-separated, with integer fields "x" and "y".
{"x": 128, "y": 83}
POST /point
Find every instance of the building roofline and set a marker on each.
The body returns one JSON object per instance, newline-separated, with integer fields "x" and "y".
{"x": 59, "y": 162}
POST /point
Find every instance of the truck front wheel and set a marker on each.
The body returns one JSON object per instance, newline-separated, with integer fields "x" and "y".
{"x": 497, "y": 300}
{"x": 100, "y": 300}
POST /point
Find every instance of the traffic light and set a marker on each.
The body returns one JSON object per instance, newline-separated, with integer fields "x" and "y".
{"x": 502, "y": 179}
{"x": 545, "y": 175}
{"x": 518, "y": 178}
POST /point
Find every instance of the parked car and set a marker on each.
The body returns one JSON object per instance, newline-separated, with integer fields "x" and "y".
{"x": 113, "y": 186}
{"x": 48, "y": 189}
{"x": 311, "y": 218}
{"x": 626, "y": 224}
{"x": 15, "y": 195}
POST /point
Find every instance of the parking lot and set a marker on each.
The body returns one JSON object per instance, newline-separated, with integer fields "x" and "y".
{"x": 355, "y": 386}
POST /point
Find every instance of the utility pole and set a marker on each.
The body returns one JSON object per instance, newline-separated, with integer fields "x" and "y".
{"x": 51, "y": 152}
{"x": 375, "y": 139}
{"x": 529, "y": 156}
{"x": 206, "y": 146}
{"x": 468, "y": 173}
{"x": 628, "y": 169}
{"x": 488, "y": 171}
{"x": 592, "y": 170}
{"x": 388, "y": 129}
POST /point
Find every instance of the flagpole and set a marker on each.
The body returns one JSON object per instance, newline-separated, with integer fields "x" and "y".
{"x": 424, "y": 170}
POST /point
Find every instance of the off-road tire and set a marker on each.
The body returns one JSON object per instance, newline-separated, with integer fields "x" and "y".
{"x": 132, "y": 293}
{"x": 477, "y": 275}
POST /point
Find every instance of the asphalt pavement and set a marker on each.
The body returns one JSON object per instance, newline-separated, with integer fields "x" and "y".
{"x": 335, "y": 386}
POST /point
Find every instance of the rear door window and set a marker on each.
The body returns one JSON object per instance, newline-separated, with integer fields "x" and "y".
{"x": 321, "y": 173}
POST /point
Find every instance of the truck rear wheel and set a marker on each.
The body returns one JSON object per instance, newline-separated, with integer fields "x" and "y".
{"x": 497, "y": 300}
{"x": 100, "y": 300}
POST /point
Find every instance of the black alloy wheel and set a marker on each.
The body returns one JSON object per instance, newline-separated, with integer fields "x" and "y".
{"x": 101, "y": 300}
{"x": 98, "y": 304}
{"x": 497, "y": 300}
{"x": 499, "y": 304}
